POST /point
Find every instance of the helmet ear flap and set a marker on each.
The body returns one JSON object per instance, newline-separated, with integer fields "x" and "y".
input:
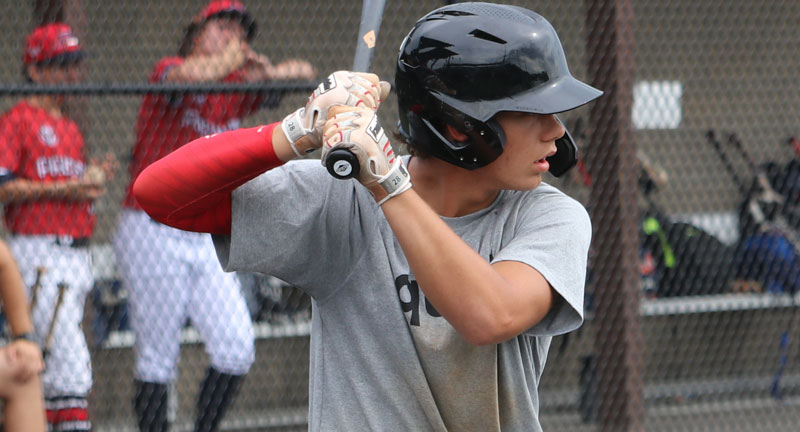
{"x": 566, "y": 154}
{"x": 485, "y": 140}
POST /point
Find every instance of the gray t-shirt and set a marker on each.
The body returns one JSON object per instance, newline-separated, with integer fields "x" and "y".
{"x": 382, "y": 358}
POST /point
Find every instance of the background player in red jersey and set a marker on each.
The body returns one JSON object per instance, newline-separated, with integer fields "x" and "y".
{"x": 48, "y": 189}
{"x": 171, "y": 274}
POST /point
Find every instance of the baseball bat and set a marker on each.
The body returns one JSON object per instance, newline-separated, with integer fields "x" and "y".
{"x": 712, "y": 138}
{"x": 37, "y": 285}
{"x": 342, "y": 163}
{"x": 769, "y": 193}
{"x": 734, "y": 140}
{"x": 48, "y": 340}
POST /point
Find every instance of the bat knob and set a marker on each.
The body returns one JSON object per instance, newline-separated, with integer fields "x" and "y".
{"x": 342, "y": 163}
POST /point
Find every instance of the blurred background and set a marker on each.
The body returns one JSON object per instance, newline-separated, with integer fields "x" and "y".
{"x": 689, "y": 169}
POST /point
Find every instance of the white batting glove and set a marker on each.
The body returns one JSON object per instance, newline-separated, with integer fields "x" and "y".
{"x": 303, "y": 127}
{"x": 359, "y": 131}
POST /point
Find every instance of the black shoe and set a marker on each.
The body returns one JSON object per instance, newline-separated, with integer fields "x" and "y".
{"x": 216, "y": 396}
{"x": 150, "y": 404}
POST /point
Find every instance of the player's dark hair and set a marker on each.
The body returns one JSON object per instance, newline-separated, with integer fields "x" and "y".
{"x": 26, "y": 75}
{"x": 55, "y": 61}
{"x": 188, "y": 39}
{"x": 194, "y": 28}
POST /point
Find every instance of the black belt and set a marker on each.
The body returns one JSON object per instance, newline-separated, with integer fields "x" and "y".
{"x": 74, "y": 242}
{"x": 64, "y": 240}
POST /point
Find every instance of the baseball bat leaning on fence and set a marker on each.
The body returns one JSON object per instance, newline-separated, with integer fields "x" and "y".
{"x": 342, "y": 163}
{"x": 712, "y": 139}
{"x": 37, "y": 285}
{"x": 48, "y": 340}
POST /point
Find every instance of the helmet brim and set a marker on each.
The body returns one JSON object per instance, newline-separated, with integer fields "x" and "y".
{"x": 557, "y": 96}
{"x": 66, "y": 58}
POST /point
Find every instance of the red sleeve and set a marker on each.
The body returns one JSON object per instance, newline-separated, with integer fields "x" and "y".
{"x": 10, "y": 148}
{"x": 191, "y": 188}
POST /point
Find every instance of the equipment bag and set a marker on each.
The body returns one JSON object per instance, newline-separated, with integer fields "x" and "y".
{"x": 688, "y": 260}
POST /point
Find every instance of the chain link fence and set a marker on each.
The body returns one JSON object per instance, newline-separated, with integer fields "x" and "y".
{"x": 689, "y": 169}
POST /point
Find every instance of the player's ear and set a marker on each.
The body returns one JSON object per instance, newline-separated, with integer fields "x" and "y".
{"x": 454, "y": 134}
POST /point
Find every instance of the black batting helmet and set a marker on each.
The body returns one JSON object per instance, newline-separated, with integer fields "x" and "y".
{"x": 463, "y": 63}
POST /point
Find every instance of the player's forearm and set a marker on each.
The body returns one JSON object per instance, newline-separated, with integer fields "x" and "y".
{"x": 200, "y": 70}
{"x": 483, "y": 304}
{"x": 23, "y": 190}
{"x": 15, "y": 306}
{"x": 191, "y": 188}
{"x": 12, "y": 292}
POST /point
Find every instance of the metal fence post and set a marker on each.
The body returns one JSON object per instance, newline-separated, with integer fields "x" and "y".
{"x": 614, "y": 207}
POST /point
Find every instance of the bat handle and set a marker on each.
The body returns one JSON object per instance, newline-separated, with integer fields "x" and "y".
{"x": 37, "y": 285}
{"x": 342, "y": 163}
{"x": 734, "y": 139}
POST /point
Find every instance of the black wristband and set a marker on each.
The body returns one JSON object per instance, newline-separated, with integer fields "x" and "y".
{"x": 28, "y": 336}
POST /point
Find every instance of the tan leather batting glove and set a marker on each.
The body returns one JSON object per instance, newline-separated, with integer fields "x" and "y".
{"x": 358, "y": 130}
{"x": 303, "y": 127}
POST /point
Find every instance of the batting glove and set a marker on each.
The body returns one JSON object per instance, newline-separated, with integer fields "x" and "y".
{"x": 303, "y": 127}
{"x": 359, "y": 131}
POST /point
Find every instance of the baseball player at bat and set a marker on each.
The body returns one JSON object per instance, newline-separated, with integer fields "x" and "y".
{"x": 173, "y": 275}
{"x": 434, "y": 305}
{"x": 48, "y": 189}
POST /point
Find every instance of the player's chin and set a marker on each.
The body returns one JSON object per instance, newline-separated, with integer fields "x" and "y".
{"x": 535, "y": 183}
{"x": 528, "y": 182}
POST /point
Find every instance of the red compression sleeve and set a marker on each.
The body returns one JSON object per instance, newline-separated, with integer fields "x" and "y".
{"x": 191, "y": 188}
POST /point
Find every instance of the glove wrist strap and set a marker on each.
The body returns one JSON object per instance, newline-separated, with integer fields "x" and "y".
{"x": 395, "y": 182}
{"x": 295, "y": 132}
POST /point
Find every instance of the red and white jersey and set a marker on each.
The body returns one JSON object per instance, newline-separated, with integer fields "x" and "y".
{"x": 168, "y": 121}
{"x": 36, "y": 146}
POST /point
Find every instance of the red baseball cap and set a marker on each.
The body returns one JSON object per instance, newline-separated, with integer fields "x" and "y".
{"x": 229, "y": 9}
{"x": 52, "y": 43}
